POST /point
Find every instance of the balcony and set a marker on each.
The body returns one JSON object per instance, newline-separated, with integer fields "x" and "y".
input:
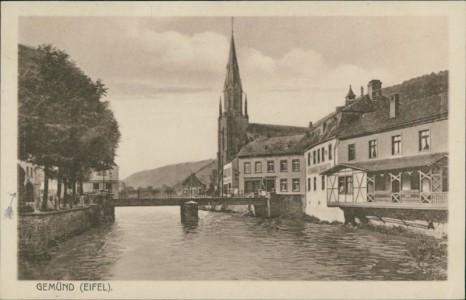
{"x": 404, "y": 199}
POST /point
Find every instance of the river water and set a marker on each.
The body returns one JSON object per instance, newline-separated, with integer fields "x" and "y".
{"x": 150, "y": 243}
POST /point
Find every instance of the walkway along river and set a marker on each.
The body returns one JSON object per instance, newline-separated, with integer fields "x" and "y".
{"x": 150, "y": 243}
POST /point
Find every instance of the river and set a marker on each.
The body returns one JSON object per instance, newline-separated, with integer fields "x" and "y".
{"x": 150, "y": 243}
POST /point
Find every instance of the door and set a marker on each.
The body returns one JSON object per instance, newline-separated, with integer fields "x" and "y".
{"x": 270, "y": 185}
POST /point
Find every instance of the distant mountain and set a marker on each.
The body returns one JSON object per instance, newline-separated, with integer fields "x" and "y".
{"x": 171, "y": 175}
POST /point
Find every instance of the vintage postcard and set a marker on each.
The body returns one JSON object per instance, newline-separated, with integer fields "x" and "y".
{"x": 232, "y": 150}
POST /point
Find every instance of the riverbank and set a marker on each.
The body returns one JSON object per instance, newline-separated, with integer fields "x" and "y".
{"x": 40, "y": 232}
{"x": 430, "y": 252}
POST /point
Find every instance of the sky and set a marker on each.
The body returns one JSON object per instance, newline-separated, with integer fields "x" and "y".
{"x": 165, "y": 74}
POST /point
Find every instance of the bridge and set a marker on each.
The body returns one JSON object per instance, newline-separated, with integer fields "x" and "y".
{"x": 180, "y": 201}
{"x": 189, "y": 206}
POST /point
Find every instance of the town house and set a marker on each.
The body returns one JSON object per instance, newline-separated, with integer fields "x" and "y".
{"x": 393, "y": 157}
{"x": 274, "y": 164}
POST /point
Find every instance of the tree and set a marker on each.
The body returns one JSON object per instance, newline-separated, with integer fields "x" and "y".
{"x": 63, "y": 124}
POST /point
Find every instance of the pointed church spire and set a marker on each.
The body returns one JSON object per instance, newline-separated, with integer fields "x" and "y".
{"x": 232, "y": 77}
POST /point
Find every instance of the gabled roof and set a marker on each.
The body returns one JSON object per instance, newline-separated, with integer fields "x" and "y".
{"x": 410, "y": 111}
{"x": 273, "y": 146}
{"x": 401, "y": 163}
{"x": 193, "y": 181}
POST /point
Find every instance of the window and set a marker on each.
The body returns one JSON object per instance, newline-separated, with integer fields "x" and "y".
{"x": 295, "y": 184}
{"x": 323, "y": 182}
{"x": 270, "y": 166}
{"x": 295, "y": 163}
{"x": 315, "y": 183}
{"x": 108, "y": 187}
{"x": 309, "y": 158}
{"x": 283, "y": 185}
{"x": 95, "y": 186}
{"x": 309, "y": 184}
{"x": 102, "y": 173}
{"x": 314, "y": 156}
{"x": 283, "y": 166}
{"x": 373, "y": 149}
{"x": 247, "y": 168}
{"x": 396, "y": 144}
{"x": 351, "y": 152}
{"x": 258, "y": 167}
{"x": 318, "y": 155}
{"x": 330, "y": 151}
{"x": 424, "y": 140}
{"x": 345, "y": 185}
{"x": 323, "y": 151}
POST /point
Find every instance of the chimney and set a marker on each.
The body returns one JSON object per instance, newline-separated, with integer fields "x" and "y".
{"x": 374, "y": 89}
{"x": 394, "y": 105}
{"x": 362, "y": 91}
{"x": 310, "y": 125}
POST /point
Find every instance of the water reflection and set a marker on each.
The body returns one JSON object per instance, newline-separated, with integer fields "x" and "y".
{"x": 152, "y": 244}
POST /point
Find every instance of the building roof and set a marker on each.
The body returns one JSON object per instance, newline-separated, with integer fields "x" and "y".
{"x": 256, "y": 130}
{"x": 401, "y": 163}
{"x": 330, "y": 126}
{"x": 193, "y": 181}
{"x": 410, "y": 111}
{"x": 273, "y": 146}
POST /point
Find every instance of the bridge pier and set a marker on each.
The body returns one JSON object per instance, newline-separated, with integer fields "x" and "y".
{"x": 189, "y": 212}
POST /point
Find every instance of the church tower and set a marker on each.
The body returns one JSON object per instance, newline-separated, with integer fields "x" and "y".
{"x": 232, "y": 122}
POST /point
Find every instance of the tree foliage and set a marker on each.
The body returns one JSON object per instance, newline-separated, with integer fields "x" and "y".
{"x": 64, "y": 126}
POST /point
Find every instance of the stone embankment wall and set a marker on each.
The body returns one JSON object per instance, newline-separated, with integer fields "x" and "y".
{"x": 38, "y": 232}
{"x": 286, "y": 206}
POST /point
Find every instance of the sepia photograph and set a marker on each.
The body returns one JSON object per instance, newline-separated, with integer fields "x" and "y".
{"x": 231, "y": 147}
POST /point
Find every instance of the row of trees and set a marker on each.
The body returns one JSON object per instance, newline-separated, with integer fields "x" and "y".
{"x": 64, "y": 126}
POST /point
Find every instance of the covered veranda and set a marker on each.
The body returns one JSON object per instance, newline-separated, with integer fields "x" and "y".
{"x": 419, "y": 182}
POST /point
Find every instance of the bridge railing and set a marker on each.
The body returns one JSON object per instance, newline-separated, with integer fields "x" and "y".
{"x": 141, "y": 194}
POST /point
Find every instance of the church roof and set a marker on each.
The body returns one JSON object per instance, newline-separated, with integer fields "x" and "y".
{"x": 232, "y": 77}
{"x": 273, "y": 146}
{"x": 256, "y": 130}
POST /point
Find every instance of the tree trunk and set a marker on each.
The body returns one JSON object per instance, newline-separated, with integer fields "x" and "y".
{"x": 65, "y": 191}
{"x": 59, "y": 183}
{"x": 73, "y": 189}
{"x": 81, "y": 187}
{"x": 46, "y": 190}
